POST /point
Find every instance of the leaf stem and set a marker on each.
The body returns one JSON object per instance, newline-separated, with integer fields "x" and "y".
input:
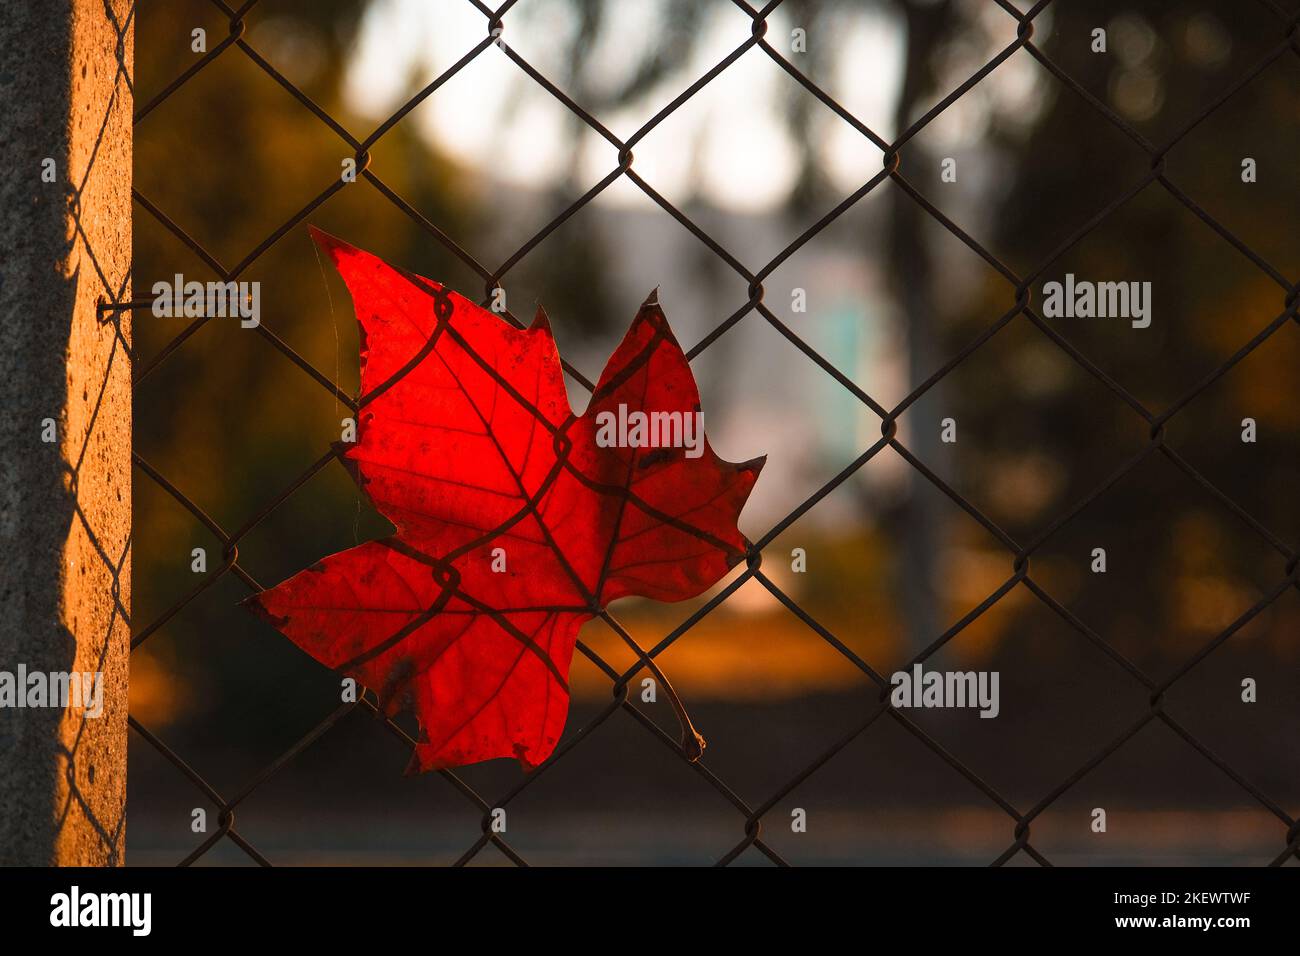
{"x": 692, "y": 742}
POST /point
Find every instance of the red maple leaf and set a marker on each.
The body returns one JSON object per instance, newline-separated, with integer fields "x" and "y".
{"x": 516, "y": 520}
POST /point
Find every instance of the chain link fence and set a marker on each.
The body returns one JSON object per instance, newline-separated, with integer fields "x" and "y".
{"x": 751, "y": 810}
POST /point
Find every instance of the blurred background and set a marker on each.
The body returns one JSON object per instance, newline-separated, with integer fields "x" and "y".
{"x": 755, "y": 159}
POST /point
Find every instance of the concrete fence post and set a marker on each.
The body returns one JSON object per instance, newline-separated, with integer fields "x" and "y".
{"x": 65, "y": 429}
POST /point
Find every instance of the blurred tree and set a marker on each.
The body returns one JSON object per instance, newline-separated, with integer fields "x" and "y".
{"x": 1167, "y": 65}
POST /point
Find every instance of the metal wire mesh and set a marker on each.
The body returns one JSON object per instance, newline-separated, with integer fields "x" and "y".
{"x": 750, "y": 814}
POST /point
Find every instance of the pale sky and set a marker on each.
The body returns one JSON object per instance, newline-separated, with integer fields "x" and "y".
{"x": 728, "y": 144}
